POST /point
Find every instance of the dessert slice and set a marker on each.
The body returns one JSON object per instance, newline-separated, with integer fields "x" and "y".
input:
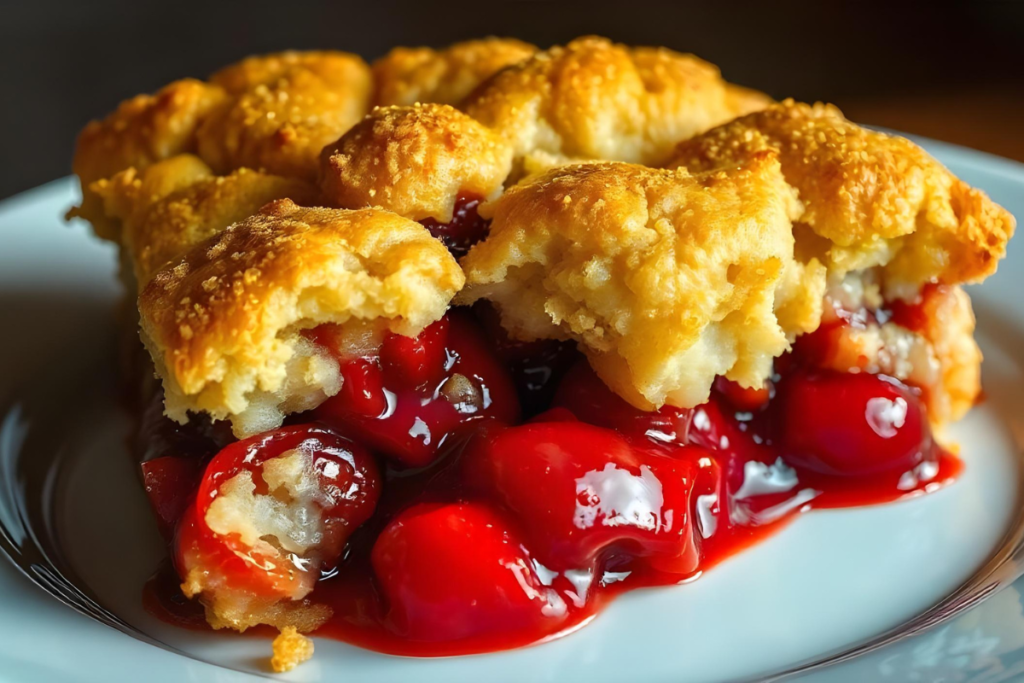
{"x": 771, "y": 319}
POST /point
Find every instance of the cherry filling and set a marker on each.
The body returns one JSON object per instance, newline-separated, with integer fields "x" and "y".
{"x": 849, "y": 425}
{"x": 465, "y": 229}
{"x": 459, "y": 571}
{"x": 537, "y": 367}
{"x": 173, "y": 458}
{"x": 413, "y": 396}
{"x": 590, "y": 400}
{"x": 490, "y": 533}
{"x": 269, "y": 514}
{"x": 584, "y": 495}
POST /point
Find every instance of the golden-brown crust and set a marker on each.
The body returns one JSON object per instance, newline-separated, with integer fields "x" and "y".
{"x": 141, "y": 131}
{"x": 144, "y": 130}
{"x": 949, "y": 329}
{"x": 415, "y": 161}
{"x": 877, "y": 199}
{"x": 593, "y": 99}
{"x": 175, "y": 204}
{"x": 665, "y": 278}
{"x": 408, "y": 75}
{"x": 288, "y": 106}
{"x": 246, "y": 74}
{"x": 217, "y": 322}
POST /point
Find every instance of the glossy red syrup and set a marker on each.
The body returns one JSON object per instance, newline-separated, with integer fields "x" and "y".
{"x": 465, "y": 229}
{"x": 407, "y": 402}
{"x": 349, "y": 483}
{"x": 507, "y": 533}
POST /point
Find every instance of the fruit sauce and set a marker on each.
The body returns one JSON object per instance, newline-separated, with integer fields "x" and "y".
{"x": 517, "y": 494}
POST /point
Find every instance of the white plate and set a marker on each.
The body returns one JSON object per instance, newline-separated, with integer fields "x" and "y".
{"x": 829, "y": 583}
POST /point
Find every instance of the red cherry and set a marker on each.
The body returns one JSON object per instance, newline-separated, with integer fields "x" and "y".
{"x": 465, "y": 229}
{"x": 917, "y": 315}
{"x": 581, "y": 492}
{"x": 713, "y": 428}
{"x": 415, "y": 361}
{"x": 362, "y": 387}
{"x": 743, "y": 399}
{"x": 816, "y": 349}
{"x": 394, "y": 413}
{"x": 346, "y": 486}
{"x": 851, "y": 424}
{"x": 454, "y": 571}
{"x": 583, "y": 393}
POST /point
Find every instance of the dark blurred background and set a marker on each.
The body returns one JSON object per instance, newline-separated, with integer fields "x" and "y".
{"x": 949, "y": 70}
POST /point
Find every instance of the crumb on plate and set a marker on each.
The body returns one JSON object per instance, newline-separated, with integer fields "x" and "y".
{"x": 291, "y": 648}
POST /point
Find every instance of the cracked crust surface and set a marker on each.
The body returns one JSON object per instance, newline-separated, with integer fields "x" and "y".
{"x": 666, "y": 279}
{"x": 866, "y": 201}
{"x": 286, "y": 108}
{"x": 871, "y": 198}
{"x": 224, "y": 322}
{"x": 593, "y": 99}
{"x": 145, "y": 129}
{"x": 408, "y": 75}
{"x": 175, "y": 204}
{"x": 141, "y": 131}
{"x": 415, "y": 161}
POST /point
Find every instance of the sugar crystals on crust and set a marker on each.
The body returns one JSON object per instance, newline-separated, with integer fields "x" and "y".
{"x": 224, "y": 324}
{"x": 666, "y": 279}
{"x": 408, "y": 75}
{"x": 140, "y": 132}
{"x": 871, "y": 198}
{"x": 593, "y": 99}
{"x": 173, "y": 205}
{"x": 415, "y": 161}
{"x": 286, "y": 108}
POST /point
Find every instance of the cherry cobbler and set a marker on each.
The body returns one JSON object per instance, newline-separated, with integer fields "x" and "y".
{"x": 454, "y": 348}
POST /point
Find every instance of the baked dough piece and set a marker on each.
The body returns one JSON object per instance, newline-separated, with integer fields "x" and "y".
{"x": 871, "y": 198}
{"x": 666, "y": 279}
{"x": 936, "y": 352}
{"x": 286, "y": 107}
{"x": 415, "y": 161}
{"x": 408, "y": 75}
{"x": 175, "y": 204}
{"x": 246, "y": 74}
{"x": 141, "y": 131}
{"x": 224, "y": 324}
{"x": 596, "y": 100}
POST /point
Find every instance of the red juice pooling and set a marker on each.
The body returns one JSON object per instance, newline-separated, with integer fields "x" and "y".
{"x": 494, "y": 534}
